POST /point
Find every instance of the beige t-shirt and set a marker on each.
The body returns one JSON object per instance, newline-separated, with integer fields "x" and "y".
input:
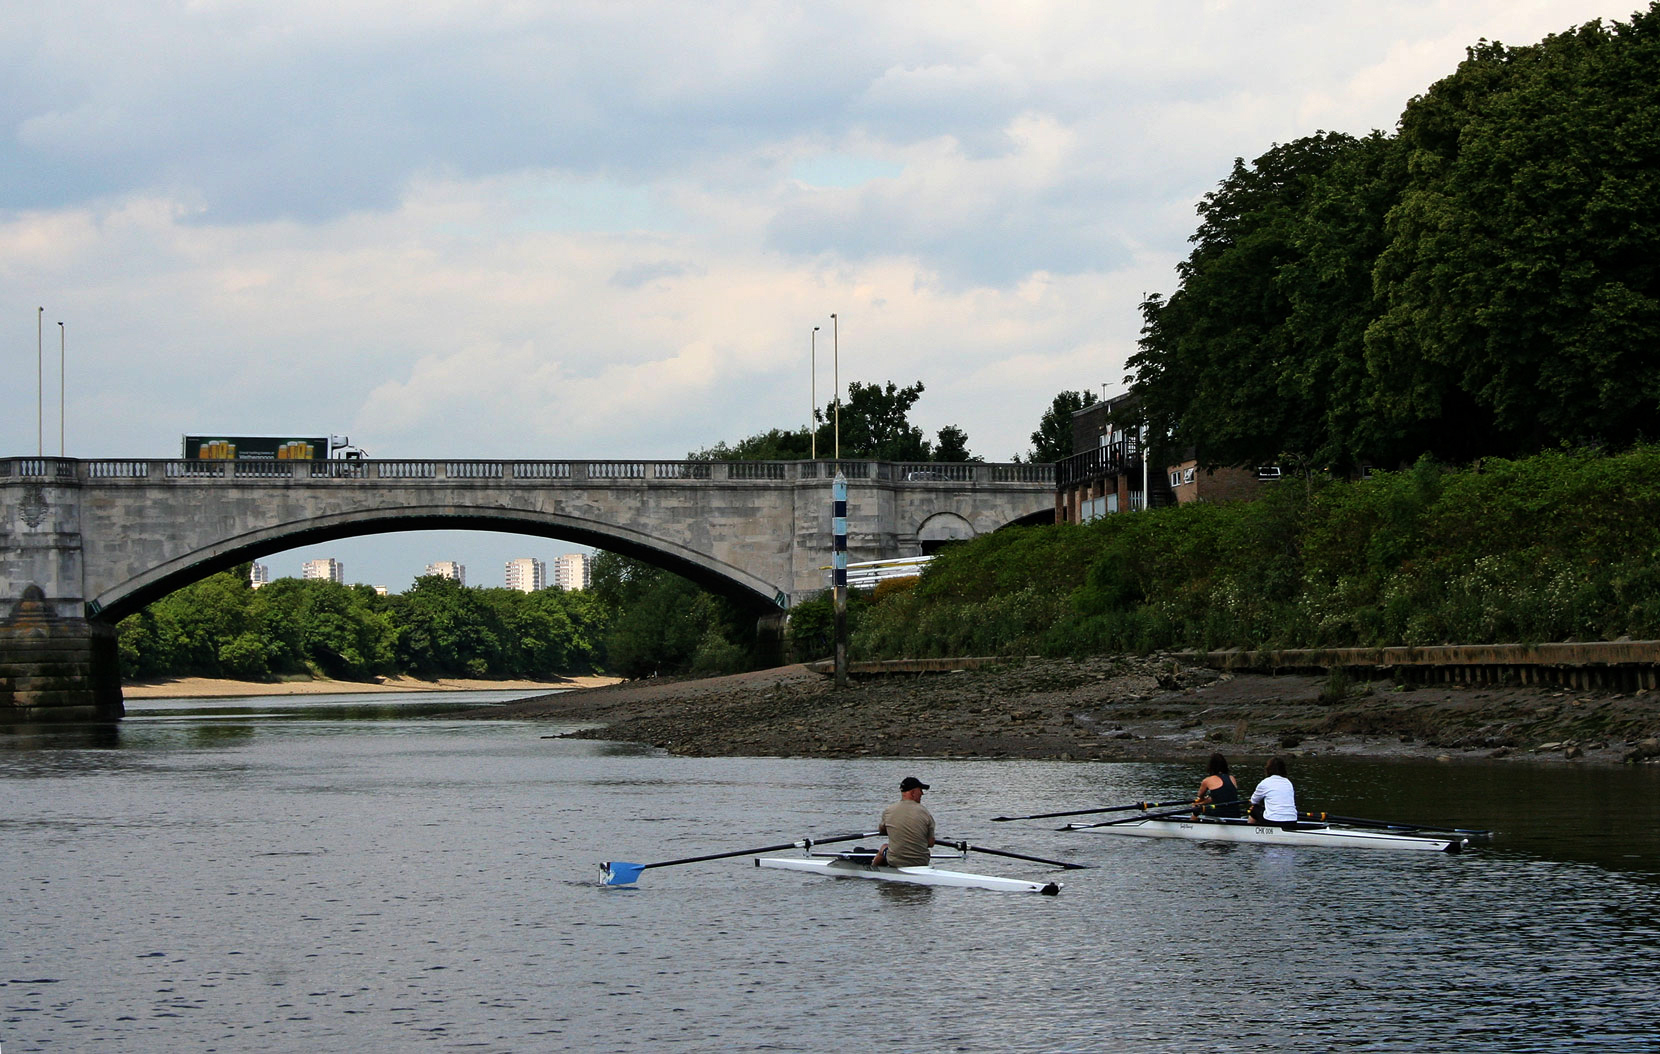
{"x": 910, "y": 829}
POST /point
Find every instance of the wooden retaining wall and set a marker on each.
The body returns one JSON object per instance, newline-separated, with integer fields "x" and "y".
{"x": 1625, "y": 666}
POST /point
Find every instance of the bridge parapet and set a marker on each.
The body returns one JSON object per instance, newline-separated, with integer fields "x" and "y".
{"x": 920, "y": 473}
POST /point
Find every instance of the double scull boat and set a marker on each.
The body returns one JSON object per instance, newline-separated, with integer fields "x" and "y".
{"x": 1208, "y": 829}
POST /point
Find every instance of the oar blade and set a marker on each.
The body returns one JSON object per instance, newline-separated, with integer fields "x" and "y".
{"x": 619, "y": 873}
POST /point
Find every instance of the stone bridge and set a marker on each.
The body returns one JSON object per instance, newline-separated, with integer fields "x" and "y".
{"x": 84, "y": 543}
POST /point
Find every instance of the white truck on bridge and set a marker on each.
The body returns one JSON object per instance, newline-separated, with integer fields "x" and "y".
{"x": 220, "y": 447}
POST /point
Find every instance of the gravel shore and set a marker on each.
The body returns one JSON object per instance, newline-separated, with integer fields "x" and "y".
{"x": 1107, "y": 708}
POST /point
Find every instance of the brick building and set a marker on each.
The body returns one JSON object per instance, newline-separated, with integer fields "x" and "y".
{"x": 1108, "y": 474}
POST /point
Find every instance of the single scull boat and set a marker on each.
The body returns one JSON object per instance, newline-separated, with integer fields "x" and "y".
{"x": 1216, "y": 830}
{"x": 857, "y": 865}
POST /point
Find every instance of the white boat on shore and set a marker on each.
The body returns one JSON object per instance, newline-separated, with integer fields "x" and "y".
{"x": 857, "y": 865}
{"x": 1326, "y": 834}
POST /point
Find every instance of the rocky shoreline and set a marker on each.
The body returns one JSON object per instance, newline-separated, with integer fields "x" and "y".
{"x": 1104, "y": 708}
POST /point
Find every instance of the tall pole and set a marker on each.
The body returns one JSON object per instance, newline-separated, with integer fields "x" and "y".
{"x": 61, "y": 359}
{"x": 60, "y": 385}
{"x": 812, "y": 416}
{"x": 1146, "y": 493}
{"x": 838, "y": 570}
{"x": 40, "y": 386}
{"x": 836, "y": 375}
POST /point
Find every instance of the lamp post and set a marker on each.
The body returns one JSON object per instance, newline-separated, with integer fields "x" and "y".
{"x": 40, "y": 386}
{"x": 61, "y": 340}
{"x": 812, "y": 410}
{"x": 836, "y": 376}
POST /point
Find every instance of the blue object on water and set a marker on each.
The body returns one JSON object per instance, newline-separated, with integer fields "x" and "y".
{"x": 619, "y": 873}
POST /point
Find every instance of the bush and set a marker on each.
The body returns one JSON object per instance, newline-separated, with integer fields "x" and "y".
{"x": 1561, "y": 546}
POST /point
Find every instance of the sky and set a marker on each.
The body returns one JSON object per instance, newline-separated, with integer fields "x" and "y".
{"x": 607, "y": 229}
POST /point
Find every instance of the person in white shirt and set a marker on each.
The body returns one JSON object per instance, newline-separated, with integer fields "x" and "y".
{"x": 1274, "y": 800}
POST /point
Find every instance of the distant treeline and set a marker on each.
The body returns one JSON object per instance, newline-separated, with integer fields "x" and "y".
{"x": 1561, "y": 546}
{"x": 636, "y": 620}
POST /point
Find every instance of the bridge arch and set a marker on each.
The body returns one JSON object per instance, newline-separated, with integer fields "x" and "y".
{"x": 941, "y": 529}
{"x": 124, "y": 598}
{"x": 83, "y": 543}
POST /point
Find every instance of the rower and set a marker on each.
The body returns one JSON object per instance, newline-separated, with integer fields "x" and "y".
{"x": 1218, "y": 791}
{"x": 1274, "y": 800}
{"x": 909, "y": 827}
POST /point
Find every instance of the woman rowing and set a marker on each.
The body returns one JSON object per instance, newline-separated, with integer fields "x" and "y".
{"x": 1274, "y": 800}
{"x": 1218, "y": 794}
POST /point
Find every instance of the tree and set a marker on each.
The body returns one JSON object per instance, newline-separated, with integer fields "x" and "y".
{"x": 662, "y": 623}
{"x": 953, "y": 446}
{"x": 1220, "y": 365}
{"x": 876, "y": 424}
{"x": 1053, "y": 439}
{"x": 1521, "y": 280}
{"x": 774, "y": 445}
{"x": 1484, "y": 283}
{"x": 445, "y": 629}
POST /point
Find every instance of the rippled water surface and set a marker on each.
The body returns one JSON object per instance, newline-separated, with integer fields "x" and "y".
{"x": 329, "y": 875}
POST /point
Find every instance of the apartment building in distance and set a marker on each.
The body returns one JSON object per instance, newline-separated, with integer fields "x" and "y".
{"x": 573, "y": 571}
{"x": 259, "y": 575}
{"x": 448, "y": 569}
{"x": 527, "y": 574}
{"x": 328, "y": 568}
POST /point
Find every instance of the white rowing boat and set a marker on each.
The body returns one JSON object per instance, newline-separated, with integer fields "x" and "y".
{"x": 857, "y": 865}
{"x": 1214, "y": 830}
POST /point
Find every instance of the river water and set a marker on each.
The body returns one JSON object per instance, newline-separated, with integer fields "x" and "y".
{"x": 342, "y": 874}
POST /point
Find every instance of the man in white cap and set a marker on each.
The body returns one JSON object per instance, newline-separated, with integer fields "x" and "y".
{"x": 909, "y": 827}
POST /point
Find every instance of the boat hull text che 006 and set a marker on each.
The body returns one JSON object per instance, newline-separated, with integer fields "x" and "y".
{"x": 835, "y": 867}
{"x": 1271, "y": 834}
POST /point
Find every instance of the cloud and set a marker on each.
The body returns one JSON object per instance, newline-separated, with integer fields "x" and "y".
{"x": 493, "y": 228}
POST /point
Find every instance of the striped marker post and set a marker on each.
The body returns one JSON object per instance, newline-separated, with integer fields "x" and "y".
{"x": 838, "y": 565}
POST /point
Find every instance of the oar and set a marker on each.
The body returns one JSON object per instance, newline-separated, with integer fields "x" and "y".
{"x": 622, "y": 873}
{"x": 1356, "y": 821}
{"x": 1142, "y": 805}
{"x": 966, "y": 847}
{"x": 1189, "y": 807}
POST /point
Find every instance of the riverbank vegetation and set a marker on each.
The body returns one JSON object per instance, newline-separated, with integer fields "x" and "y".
{"x": 1561, "y": 546}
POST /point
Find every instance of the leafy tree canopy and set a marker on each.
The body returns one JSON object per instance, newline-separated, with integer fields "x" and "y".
{"x": 1053, "y": 439}
{"x": 1485, "y": 282}
{"x": 774, "y": 445}
{"x": 873, "y": 422}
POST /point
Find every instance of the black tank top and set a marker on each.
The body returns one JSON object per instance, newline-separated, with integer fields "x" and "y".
{"x": 1224, "y": 800}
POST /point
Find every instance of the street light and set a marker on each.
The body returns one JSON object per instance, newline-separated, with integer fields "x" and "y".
{"x": 812, "y": 370}
{"x": 61, "y": 339}
{"x": 40, "y": 386}
{"x": 836, "y": 375}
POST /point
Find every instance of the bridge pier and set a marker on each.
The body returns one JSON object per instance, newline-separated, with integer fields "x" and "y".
{"x": 55, "y": 663}
{"x": 54, "y": 668}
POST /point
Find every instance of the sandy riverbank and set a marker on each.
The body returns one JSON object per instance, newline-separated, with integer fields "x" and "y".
{"x": 212, "y": 688}
{"x": 1107, "y": 708}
